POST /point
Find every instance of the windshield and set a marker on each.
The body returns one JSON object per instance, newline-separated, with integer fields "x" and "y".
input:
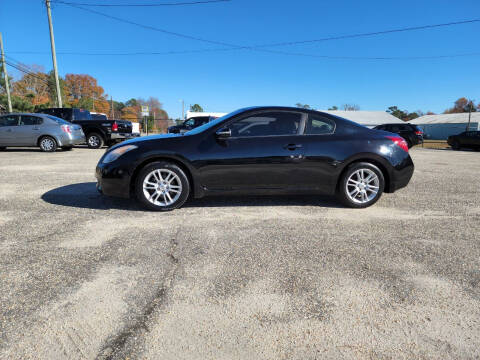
{"x": 212, "y": 123}
{"x": 58, "y": 120}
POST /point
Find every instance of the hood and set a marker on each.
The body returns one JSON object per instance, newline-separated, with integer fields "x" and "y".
{"x": 142, "y": 139}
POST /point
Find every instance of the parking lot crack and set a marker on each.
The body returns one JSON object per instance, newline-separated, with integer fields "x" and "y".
{"x": 117, "y": 346}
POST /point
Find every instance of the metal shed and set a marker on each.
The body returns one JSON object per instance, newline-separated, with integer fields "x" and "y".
{"x": 440, "y": 127}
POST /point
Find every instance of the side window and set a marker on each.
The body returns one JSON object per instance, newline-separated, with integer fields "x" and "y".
{"x": 395, "y": 128}
{"x": 190, "y": 122}
{"x": 9, "y": 120}
{"x": 30, "y": 120}
{"x": 267, "y": 124}
{"x": 318, "y": 125}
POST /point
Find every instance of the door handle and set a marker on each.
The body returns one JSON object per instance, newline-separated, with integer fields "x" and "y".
{"x": 36, "y": 128}
{"x": 292, "y": 146}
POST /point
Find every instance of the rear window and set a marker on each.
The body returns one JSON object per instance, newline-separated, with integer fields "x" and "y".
{"x": 58, "y": 120}
{"x": 80, "y": 114}
{"x": 98, "y": 116}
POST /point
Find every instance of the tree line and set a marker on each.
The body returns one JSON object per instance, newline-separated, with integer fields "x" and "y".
{"x": 462, "y": 105}
{"x": 36, "y": 90}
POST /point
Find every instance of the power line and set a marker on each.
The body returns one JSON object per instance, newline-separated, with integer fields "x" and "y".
{"x": 148, "y": 27}
{"x": 262, "y": 47}
{"x": 143, "y": 5}
{"x": 332, "y": 57}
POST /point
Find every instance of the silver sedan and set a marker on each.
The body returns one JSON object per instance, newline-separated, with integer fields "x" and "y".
{"x": 39, "y": 130}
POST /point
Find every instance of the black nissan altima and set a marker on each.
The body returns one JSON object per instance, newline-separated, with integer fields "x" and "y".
{"x": 259, "y": 150}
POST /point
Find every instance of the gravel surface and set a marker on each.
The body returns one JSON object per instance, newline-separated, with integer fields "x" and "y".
{"x": 83, "y": 276}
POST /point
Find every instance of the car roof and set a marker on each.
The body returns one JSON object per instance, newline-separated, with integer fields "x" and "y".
{"x": 24, "y": 113}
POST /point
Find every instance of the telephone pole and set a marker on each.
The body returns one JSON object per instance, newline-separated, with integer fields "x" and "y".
{"x": 5, "y": 75}
{"x": 54, "y": 56}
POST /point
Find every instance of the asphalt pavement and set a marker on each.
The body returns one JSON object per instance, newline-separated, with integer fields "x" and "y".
{"x": 83, "y": 276}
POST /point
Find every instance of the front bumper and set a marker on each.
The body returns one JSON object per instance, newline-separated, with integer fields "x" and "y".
{"x": 113, "y": 181}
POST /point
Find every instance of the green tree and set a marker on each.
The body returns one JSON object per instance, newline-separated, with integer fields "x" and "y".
{"x": 303, "y": 106}
{"x": 334, "y": 107}
{"x": 52, "y": 89}
{"x": 196, "y": 108}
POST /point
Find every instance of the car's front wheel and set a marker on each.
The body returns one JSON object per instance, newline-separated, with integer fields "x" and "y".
{"x": 455, "y": 145}
{"x": 361, "y": 185}
{"x": 162, "y": 186}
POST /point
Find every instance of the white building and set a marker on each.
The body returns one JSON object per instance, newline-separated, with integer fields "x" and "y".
{"x": 440, "y": 127}
{"x": 191, "y": 114}
{"x": 367, "y": 118}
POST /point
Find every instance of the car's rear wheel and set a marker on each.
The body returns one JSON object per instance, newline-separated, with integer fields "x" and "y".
{"x": 361, "y": 185}
{"x": 47, "y": 144}
{"x": 94, "y": 141}
{"x": 2, "y": 148}
{"x": 455, "y": 145}
{"x": 162, "y": 186}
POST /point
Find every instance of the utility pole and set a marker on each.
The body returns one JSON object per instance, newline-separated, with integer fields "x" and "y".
{"x": 5, "y": 75}
{"x": 469, "y": 115}
{"x": 54, "y": 56}
{"x": 112, "y": 112}
{"x": 183, "y": 109}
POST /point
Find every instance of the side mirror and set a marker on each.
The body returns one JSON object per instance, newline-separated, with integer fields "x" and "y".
{"x": 223, "y": 133}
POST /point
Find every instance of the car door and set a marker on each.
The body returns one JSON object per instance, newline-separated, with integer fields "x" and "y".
{"x": 8, "y": 125}
{"x": 322, "y": 147}
{"x": 263, "y": 151}
{"x": 28, "y": 130}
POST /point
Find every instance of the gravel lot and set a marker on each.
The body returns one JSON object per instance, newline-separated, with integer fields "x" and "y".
{"x": 84, "y": 277}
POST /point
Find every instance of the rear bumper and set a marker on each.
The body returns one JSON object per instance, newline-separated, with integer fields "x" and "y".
{"x": 121, "y": 136}
{"x": 70, "y": 139}
{"x": 401, "y": 177}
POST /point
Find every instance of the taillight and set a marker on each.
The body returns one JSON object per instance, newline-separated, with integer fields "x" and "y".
{"x": 399, "y": 141}
{"x": 67, "y": 129}
{"x": 115, "y": 126}
{"x": 419, "y": 132}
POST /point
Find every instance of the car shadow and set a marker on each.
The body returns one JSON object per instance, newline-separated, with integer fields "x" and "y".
{"x": 86, "y": 196}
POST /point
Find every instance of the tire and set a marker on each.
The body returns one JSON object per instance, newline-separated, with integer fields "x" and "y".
{"x": 3, "y": 148}
{"x": 67, "y": 148}
{"x": 455, "y": 145}
{"x": 352, "y": 191}
{"x": 152, "y": 197}
{"x": 94, "y": 140}
{"x": 47, "y": 144}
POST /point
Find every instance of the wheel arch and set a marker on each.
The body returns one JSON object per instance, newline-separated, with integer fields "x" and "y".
{"x": 175, "y": 160}
{"x": 374, "y": 160}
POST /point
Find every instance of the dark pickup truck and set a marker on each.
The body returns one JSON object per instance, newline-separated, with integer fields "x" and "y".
{"x": 97, "y": 132}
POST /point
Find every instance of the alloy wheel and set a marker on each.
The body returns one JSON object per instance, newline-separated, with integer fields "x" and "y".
{"x": 93, "y": 141}
{"x": 362, "y": 186}
{"x": 162, "y": 187}
{"x": 47, "y": 144}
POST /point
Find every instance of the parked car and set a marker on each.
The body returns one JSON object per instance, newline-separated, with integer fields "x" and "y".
{"x": 189, "y": 124}
{"x": 466, "y": 139}
{"x": 259, "y": 150}
{"x": 39, "y": 130}
{"x": 97, "y": 132}
{"x": 412, "y": 134}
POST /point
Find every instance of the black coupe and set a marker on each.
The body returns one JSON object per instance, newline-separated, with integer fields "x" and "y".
{"x": 259, "y": 150}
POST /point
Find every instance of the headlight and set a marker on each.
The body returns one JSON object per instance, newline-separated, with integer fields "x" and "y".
{"x": 115, "y": 154}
